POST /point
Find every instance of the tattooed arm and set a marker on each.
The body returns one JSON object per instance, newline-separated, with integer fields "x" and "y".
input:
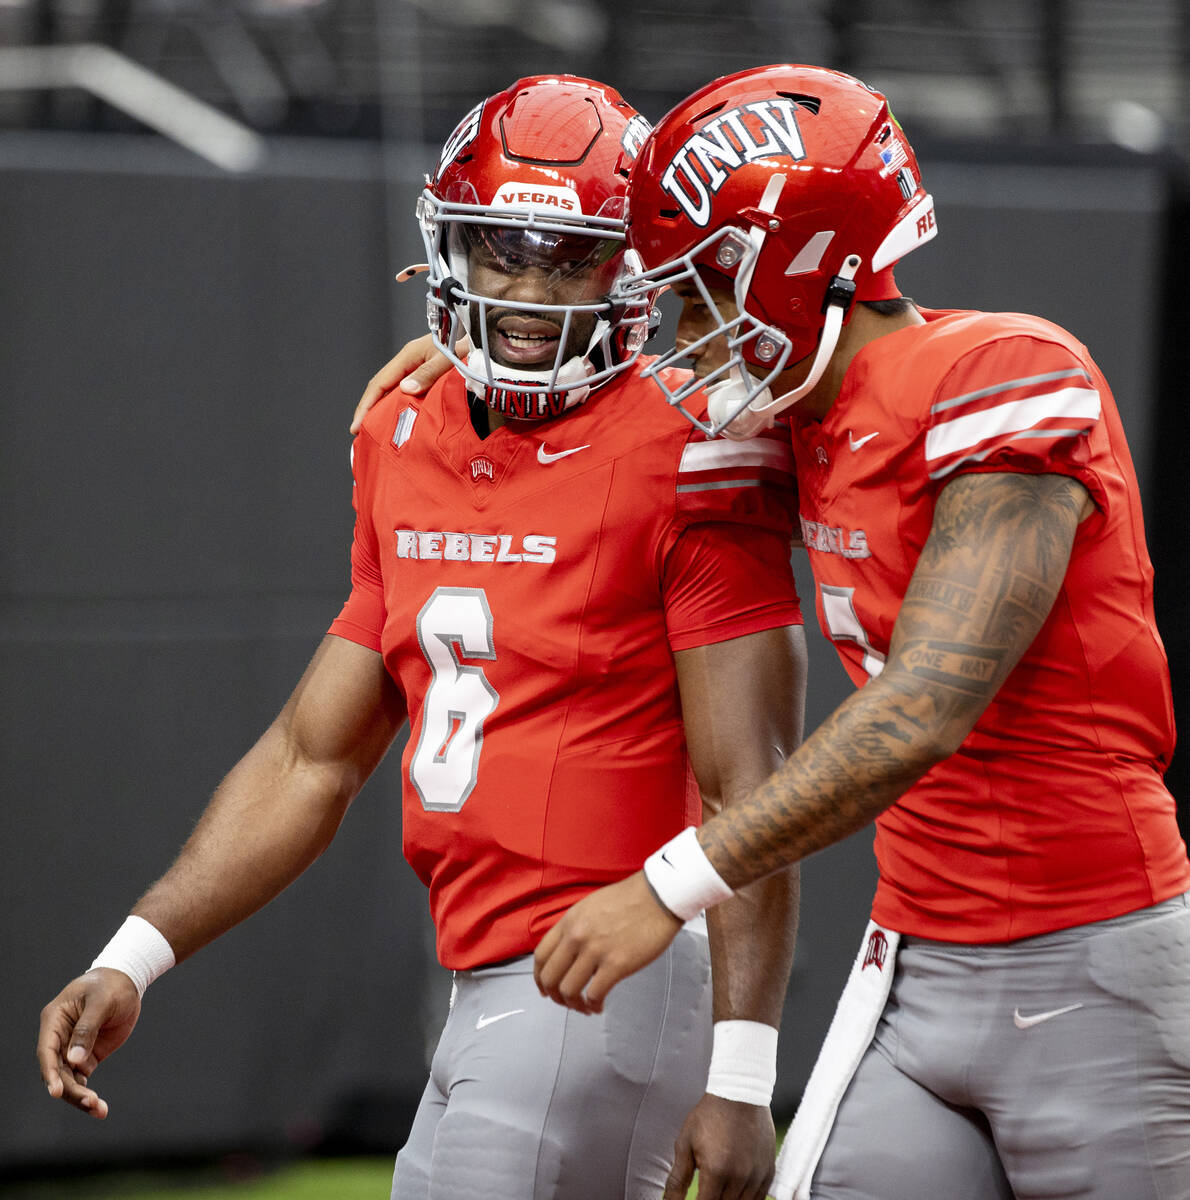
{"x": 986, "y": 580}
{"x": 984, "y": 585}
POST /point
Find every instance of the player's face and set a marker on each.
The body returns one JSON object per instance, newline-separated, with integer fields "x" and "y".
{"x": 525, "y": 267}
{"x": 698, "y": 319}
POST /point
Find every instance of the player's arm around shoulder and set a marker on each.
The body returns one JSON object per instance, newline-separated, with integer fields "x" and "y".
{"x": 413, "y": 369}
{"x": 743, "y": 708}
{"x": 270, "y": 818}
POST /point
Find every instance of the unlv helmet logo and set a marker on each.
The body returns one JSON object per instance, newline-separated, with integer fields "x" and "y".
{"x": 634, "y": 136}
{"x": 876, "y": 952}
{"x": 463, "y": 135}
{"x": 702, "y": 165}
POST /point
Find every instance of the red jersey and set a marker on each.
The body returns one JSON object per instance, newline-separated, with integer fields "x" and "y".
{"x": 527, "y": 592}
{"x": 1053, "y": 811}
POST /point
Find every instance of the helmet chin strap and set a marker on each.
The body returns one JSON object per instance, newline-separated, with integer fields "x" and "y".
{"x": 571, "y": 377}
{"x": 761, "y": 410}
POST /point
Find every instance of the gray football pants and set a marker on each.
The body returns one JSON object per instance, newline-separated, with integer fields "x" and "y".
{"x": 530, "y": 1101}
{"x": 1055, "y": 1066}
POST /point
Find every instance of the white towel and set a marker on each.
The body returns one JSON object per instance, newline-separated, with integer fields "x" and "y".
{"x": 849, "y": 1035}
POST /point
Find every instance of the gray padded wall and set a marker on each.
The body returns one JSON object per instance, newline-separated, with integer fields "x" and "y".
{"x": 181, "y": 354}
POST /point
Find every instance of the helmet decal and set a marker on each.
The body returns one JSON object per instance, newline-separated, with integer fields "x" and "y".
{"x": 701, "y": 166}
{"x": 634, "y": 136}
{"x": 537, "y": 195}
{"x": 462, "y": 136}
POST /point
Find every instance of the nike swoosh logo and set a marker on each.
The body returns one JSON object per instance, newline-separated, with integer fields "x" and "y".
{"x": 1022, "y": 1022}
{"x": 498, "y": 1017}
{"x": 545, "y": 457}
{"x": 855, "y": 443}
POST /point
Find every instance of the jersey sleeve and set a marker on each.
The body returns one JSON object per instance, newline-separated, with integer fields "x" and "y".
{"x": 1014, "y": 404}
{"x": 727, "y": 570}
{"x": 725, "y": 580}
{"x": 362, "y": 617}
{"x": 751, "y": 481}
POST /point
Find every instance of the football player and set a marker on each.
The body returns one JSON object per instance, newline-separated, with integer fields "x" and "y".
{"x": 585, "y": 610}
{"x": 972, "y": 517}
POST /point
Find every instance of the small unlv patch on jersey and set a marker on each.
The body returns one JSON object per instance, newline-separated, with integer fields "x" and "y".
{"x": 436, "y": 545}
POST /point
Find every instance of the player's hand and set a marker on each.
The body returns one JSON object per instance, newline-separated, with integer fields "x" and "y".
{"x": 88, "y": 1019}
{"x": 732, "y": 1145}
{"x": 414, "y": 367}
{"x": 604, "y": 938}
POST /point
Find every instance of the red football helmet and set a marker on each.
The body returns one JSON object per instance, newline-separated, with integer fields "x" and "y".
{"x": 533, "y": 180}
{"x": 794, "y": 187}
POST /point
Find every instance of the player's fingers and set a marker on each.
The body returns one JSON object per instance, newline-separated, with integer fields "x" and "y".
{"x": 413, "y": 369}
{"x": 55, "y": 1029}
{"x": 420, "y": 380}
{"x": 361, "y": 411}
{"x": 89, "y": 1100}
{"x": 720, "y": 1185}
{"x": 66, "y": 1042}
{"x": 561, "y": 982}
{"x": 761, "y": 1181}
{"x": 91, "y": 1103}
{"x": 550, "y": 962}
{"x": 561, "y": 969}
{"x": 83, "y": 1069}
{"x": 738, "y": 1182}
{"x": 602, "y": 977}
{"x": 71, "y": 1086}
{"x": 387, "y": 378}
{"x": 436, "y": 365}
{"x": 81, "y": 1049}
{"x": 677, "y": 1184}
{"x": 573, "y": 990}
{"x": 378, "y": 386}
{"x": 761, "y": 1190}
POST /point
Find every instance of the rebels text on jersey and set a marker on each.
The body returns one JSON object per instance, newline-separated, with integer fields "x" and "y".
{"x": 1053, "y": 812}
{"x": 527, "y": 592}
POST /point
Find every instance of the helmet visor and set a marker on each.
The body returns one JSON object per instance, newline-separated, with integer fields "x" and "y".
{"x": 586, "y": 264}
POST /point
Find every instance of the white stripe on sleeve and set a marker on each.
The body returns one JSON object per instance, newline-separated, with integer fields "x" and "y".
{"x": 961, "y": 433}
{"x": 721, "y": 455}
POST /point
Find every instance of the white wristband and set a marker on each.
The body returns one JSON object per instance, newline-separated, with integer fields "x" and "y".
{"x": 683, "y": 878}
{"x": 139, "y": 950}
{"x": 743, "y": 1062}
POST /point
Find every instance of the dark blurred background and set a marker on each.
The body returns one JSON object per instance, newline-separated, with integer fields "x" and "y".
{"x": 202, "y": 207}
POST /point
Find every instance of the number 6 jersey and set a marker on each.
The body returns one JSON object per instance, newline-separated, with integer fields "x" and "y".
{"x": 527, "y": 591}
